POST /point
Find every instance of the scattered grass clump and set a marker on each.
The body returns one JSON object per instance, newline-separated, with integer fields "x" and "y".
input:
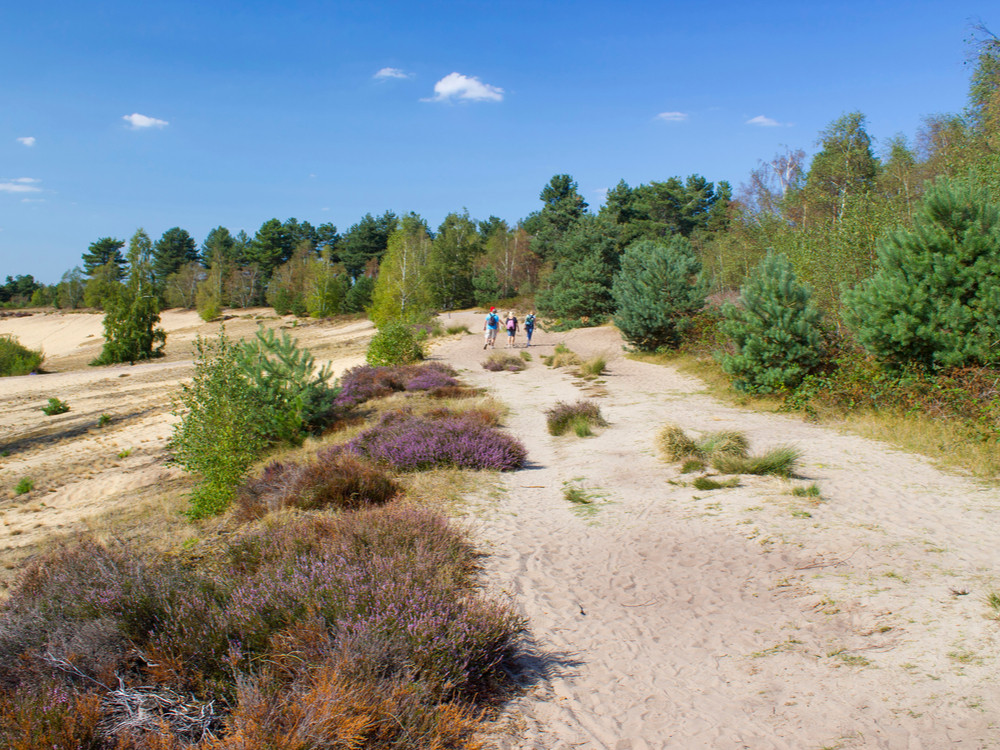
{"x": 24, "y": 486}
{"x": 723, "y": 443}
{"x": 526, "y": 356}
{"x": 691, "y": 465}
{"x": 406, "y": 441}
{"x": 504, "y": 361}
{"x": 104, "y": 420}
{"x": 453, "y": 330}
{"x": 579, "y": 417}
{"x": 343, "y": 482}
{"x": 593, "y": 367}
{"x": 706, "y": 484}
{"x": 363, "y": 630}
{"x": 675, "y": 444}
{"x": 779, "y": 461}
{"x": 16, "y": 359}
{"x": 993, "y": 602}
{"x": 55, "y": 406}
{"x": 562, "y": 356}
{"x": 811, "y": 490}
{"x": 125, "y": 453}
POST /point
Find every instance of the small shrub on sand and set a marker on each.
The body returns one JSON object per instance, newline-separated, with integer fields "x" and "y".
{"x": 453, "y": 330}
{"x": 564, "y": 417}
{"x": 24, "y": 486}
{"x": 779, "y": 461}
{"x": 55, "y": 406}
{"x": 593, "y": 367}
{"x": 395, "y": 343}
{"x": 16, "y": 359}
{"x": 504, "y": 361}
{"x": 563, "y": 356}
{"x": 343, "y": 482}
{"x": 408, "y": 442}
{"x": 691, "y": 465}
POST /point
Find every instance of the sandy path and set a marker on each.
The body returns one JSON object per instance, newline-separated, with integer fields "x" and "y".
{"x": 736, "y": 618}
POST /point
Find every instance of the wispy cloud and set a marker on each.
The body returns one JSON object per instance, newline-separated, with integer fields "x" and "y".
{"x": 386, "y": 73}
{"x": 20, "y": 185}
{"x": 468, "y": 88}
{"x": 672, "y": 116}
{"x": 28, "y": 140}
{"x": 763, "y": 122}
{"x": 140, "y": 122}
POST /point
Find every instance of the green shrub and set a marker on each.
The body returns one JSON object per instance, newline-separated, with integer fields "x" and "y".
{"x": 55, "y": 406}
{"x": 775, "y": 330}
{"x": 25, "y": 485}
{"x": 656, "y": 292}
{"x": 130, "y": 318}
{"x": 221, "y": 432}
{"x": 395, "y": 343}
{"x": 16, "y": 359}
{"x": 933, "y": 301}
{"x": 706, "y": 484}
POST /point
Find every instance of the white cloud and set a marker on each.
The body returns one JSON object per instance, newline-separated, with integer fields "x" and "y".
{"x": 391, "y": 73}
{"x": 457, "y": 86}
{"x": 672, "y": 116}
{"x": 764, "y": 122}
{"x": 20, "y": 185}
{"x": 28, "y": 140}
{"x": 138, "y": 122}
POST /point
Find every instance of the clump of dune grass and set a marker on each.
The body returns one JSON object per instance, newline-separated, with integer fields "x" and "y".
{"x": 504, "y": 361}
{"x": 691, "y": 465}
{"x": 562, "y": 356}
{"x": 778, "y": 461}
{"x": 811, "y": 490}
{"x": 579, "y": 417}
{"x": 453, "y": 330}
{"x": 526, "y": 356}
{"x": 593, "y": 367}
{"x": 724, "y": 443}
{"x": 707, "y": 483}
{"x": 993, "y": 602}
{"x": 675, "y": 444}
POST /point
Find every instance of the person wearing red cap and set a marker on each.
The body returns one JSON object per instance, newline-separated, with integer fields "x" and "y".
{"x": 491, "y": 326}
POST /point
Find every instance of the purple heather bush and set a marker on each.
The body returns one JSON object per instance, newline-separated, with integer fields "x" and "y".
{"x": 408, "y": 442}
{"x": 367, "y": 382}
{"x": 384, "y": 598}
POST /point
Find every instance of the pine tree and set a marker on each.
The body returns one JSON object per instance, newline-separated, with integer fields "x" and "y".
{"x": 775, "y": 330}
{"x": 935, "y": 299}
{"x": 656, "y": 291}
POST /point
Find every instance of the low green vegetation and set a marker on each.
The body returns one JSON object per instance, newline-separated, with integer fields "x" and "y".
{"x": 16, "y": 359}
{"x": 726, "y": 451}
{"x": 578, "y": 417}
{"x": 55, "y": 406}
{"x": 593, "y": 367}
{"x": 24, "y": 486}
{"x": 562, "y": 356}
{"x": 395, "y": 343}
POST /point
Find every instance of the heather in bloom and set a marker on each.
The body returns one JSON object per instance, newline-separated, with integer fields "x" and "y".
{"x": 408, "y": 442}
{"x": 366, "y": 382}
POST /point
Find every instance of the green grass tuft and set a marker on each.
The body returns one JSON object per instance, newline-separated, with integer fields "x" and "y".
{"x": 27, "y": 484}
{"x": 55, "y": 406}
{"x": 779, "y": 461}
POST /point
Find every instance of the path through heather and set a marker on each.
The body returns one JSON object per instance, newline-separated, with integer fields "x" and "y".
{"x": 738, "y": 618}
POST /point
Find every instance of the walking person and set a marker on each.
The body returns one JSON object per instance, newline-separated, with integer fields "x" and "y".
{"x": 512, "y": 327}
{"x": 529, "y": 326}
{"x": 491, "y": 326}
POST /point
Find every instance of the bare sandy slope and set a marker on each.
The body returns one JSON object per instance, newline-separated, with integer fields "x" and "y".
{"x": 85, "y": 474}
{"x": 736, "y": 618}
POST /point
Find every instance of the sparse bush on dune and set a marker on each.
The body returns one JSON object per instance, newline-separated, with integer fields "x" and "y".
{"x": 408, "y": 442}
{"x": 504, "y": 361}
{"x": 343, "y": 482}
{"x": 365, "y": 629}
{"x": 564, "y": 417}
{"x": 16, "y": 359}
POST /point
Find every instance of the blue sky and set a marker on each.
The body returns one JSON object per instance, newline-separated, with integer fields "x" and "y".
{"x": 119, "y": 115}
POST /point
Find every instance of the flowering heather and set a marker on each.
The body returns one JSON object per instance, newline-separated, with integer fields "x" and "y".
{"x": 408, "y": 442}
{"x": 504, "y": 361}
{"x": 367, "y": 382}
{"x": 372, "y": 615}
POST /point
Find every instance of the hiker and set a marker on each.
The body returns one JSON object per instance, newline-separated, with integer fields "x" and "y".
{"x": 491, "y": 326}
{"x": 529, "y": 326}
{"x": 511, "y": 326}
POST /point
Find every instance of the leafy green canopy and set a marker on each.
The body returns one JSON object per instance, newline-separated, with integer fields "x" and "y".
{"x": 935, "y": 299}
{"x": 775, "y": 330}
{"x": 656, "y": 290}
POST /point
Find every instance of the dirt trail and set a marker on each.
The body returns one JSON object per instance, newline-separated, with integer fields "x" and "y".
{"x": 736, "y": 618}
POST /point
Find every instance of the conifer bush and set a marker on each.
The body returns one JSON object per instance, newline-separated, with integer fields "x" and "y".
{"x": 775, "y": 330}
{"x": 395, "y": 343}
{"x": 934, "y": 301}
{"x": 656, "y": 292}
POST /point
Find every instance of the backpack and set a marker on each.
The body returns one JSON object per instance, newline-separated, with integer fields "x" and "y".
{"x": 529, "y": 322}
{"x": 511, "y": 324}
{"x": 492, "y": 320}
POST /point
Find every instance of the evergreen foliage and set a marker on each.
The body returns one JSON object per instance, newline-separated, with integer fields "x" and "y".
{"x": 395, "y": 343}
{"x": 775, "y": 330}
{"x": 131, "y": 314}
{"x": 103, "y": 251}
{"x": 655, "y": 292}
{"x": 359, "y": 296}
{"x": 579, "y": 288}
{"x": 935, "y": 299}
